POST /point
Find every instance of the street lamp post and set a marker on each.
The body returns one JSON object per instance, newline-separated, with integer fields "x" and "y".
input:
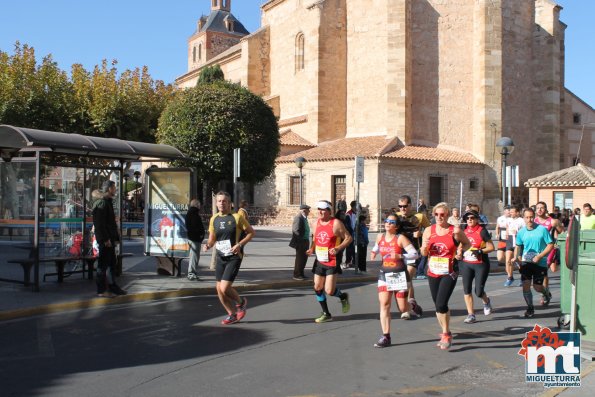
{"x": 300, "y": 161}
{"x": 506, "y": 147}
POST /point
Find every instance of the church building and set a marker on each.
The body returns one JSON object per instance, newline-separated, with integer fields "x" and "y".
{"x": 422, "y": 90}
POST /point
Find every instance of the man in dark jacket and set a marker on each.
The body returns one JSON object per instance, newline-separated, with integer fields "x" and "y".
{"x": 196, "y": 233}
{"x": 107, "y": 236}
{"x": 300, "y": 240}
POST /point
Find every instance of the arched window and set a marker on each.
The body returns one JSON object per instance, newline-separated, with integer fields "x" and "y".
{"x": 200, "y": 51}
{"x": 299, "y": 52}
{"x": 194, "y": 54}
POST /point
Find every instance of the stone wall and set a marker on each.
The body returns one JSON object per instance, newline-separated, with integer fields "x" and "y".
{"x": 570, "y": 140}
{"x": 332, "y": 76}
{"x": 384, "y": 182}
{"x": 297, "y": 89}
{"x": 442, "y": 86}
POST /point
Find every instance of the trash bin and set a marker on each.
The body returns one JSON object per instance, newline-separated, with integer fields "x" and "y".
{"x": 585, "y": 293}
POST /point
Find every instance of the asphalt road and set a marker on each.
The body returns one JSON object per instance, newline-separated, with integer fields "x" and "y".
{"x": 177, "y": 347}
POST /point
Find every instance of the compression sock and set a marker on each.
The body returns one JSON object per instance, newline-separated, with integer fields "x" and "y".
{"x": 528, "y": 298}
{"x": 321, "y": 297}
{"x": 339, "y": 294}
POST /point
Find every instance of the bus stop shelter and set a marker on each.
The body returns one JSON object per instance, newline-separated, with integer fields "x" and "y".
{"x": 48, "y": 183}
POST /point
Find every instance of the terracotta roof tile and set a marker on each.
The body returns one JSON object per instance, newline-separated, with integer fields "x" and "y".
{"x": 343, "y": 149}
{"x": 290, "y": 138}
{"x": 413, "y": 152}
{"x": 579, "y": 175}
{"x": 379, "y": 146}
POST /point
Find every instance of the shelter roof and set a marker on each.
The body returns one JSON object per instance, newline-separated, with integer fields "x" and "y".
{"x": 579, "y": 175}
{"x": 15, "y": 139}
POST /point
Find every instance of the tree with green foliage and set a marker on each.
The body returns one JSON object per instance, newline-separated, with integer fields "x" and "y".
{"x": 210, "y": 74}
{"x": 208, "y": 121}
{"x": 102, "y": 103}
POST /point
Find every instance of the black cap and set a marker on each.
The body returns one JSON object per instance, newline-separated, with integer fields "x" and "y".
{"x": 304, "y": 207}
{"x": 469, "y": 213}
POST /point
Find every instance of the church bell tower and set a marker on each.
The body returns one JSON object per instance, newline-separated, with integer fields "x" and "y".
{"x": 221, "y": 5}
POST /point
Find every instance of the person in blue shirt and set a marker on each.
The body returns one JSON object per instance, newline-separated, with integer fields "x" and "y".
{"x": 533, "y": 244}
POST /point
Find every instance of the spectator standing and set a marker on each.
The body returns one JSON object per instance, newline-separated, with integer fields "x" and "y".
{"x": 422, "y": 207}
{"x": 243, "y": 213}
{"x": 196, "y": 233}
{"x": 362, "y": 244}
{"x": 587, "y": 217}
{"x": 455, "y": 218}
{"x": 300, "y": 241}
{"x": 351, "y": 218}
{"x": 342, "y": 204}
{"x": 107, "y": 236}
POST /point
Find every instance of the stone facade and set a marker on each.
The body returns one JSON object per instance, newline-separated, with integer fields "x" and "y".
{"x": 450, "y": 74}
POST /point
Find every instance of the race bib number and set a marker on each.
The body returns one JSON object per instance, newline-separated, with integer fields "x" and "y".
{"x": 470, "y": 256}
{"x": 224, "y": 247}
{"x": 438, "y": 265}
{"x": 528, "y": 256}
{"x": 503, "y": 235}
{"x": 322, "y": 254}
{"x": 396, "y": 281}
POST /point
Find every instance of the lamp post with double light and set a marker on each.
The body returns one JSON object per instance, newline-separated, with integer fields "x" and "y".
{"x": 299, "y": 162}
{"x": 506, "y": 146}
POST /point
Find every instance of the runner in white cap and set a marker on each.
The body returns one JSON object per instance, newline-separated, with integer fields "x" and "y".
{"x": 330, "y": 237}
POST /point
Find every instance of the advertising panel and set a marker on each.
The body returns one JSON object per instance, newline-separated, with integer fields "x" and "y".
{"x": 168, "y": 192}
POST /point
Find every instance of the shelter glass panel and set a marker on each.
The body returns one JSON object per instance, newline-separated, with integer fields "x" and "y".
{"x": 17, "y": 224}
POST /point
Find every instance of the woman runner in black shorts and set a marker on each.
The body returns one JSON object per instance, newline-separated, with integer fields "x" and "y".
{"x": 475, "y": 264}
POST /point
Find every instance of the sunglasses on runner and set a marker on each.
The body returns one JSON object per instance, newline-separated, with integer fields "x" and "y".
{"x": 403, "y": 206}
{"x": 391, "y": 221}
{"x": 439, "y": 214}
{"x": 471, "y": 217}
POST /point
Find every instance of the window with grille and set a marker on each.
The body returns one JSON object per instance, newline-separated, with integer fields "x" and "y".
{"x": 294, "y": 190}
{"x": 473, "y": 184}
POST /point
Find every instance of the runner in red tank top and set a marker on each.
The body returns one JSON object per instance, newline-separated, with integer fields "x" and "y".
{"x": 475, "y": 265}
{"x": 439, "y": 244}
{"x": 393, "y": 278}
{"x": 555, "y": 228}
{"x": 330, "y": 237}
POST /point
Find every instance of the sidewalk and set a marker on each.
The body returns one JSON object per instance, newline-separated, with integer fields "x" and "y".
{"x": 267, "y": 265}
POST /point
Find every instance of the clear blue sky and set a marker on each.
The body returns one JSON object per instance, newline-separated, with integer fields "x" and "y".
{"x": 154, "y": 33}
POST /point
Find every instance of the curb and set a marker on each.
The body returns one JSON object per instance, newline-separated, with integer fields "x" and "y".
{"x": 158, "y": 295}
